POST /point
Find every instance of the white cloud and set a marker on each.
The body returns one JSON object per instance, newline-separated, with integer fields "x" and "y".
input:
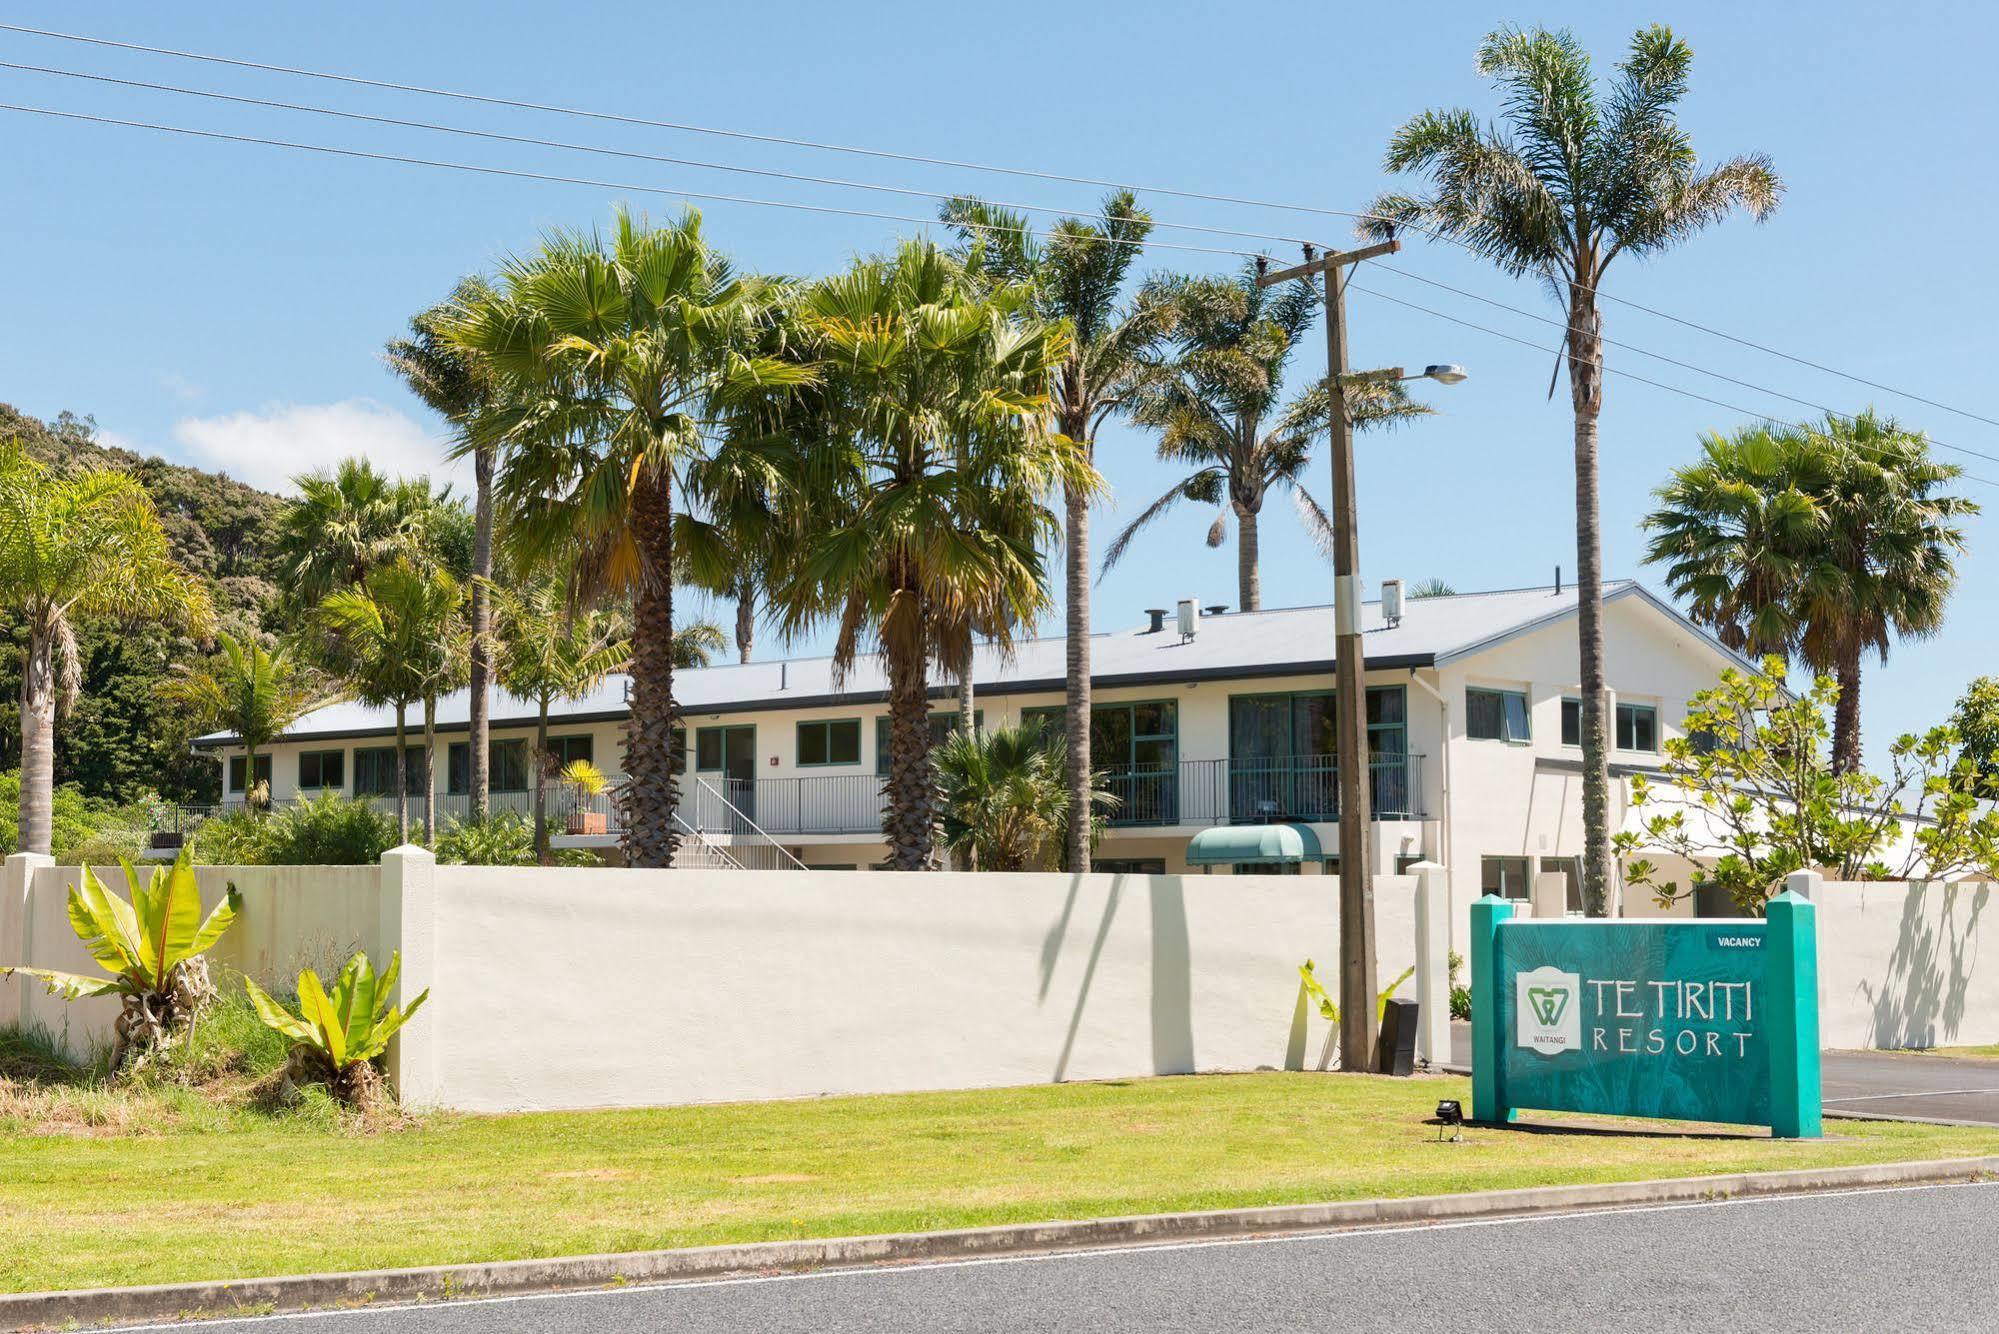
{"x": 280, "y": 441}
{"x": 182, "y": 388}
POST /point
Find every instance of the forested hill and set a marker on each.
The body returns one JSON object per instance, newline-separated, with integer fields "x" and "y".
{"x": 120, "y": 741}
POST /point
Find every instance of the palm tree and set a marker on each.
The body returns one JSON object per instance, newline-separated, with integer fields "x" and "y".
{"x": 621, "y": 350}
{"x": 1004, "y": 800}
{"x": 1432, "y": 588}
{"x": 457, "y": 388}
{"x": 1816, "y": 543}
{"x": 696, "y": 644}
{"x": 1574, "y": 178}
{"x": 396, "y": 640}
{"x": 1078, "y": 276}
{"x": 921, "y": 497}
{"x": 88, "y": 543}
{"x": 245, "y": 688}
{"x": 352, "y": 520}
{"x": 546, "y": 653}
{"x": 1218, "y": 405}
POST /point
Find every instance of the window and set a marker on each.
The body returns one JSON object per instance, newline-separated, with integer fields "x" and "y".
{"x": 237, "y": 769}
{"x": 375, "y": 771}
{"x": 1129, "y": 866}
{"x": 322, "y": 770}
{"x": 1637, "y": 727}
{"x": 1496, "y": 715}
{"x": 1572, "y": 722}
{"x": 567, "y": 750}
{"x": 1141, "y": 737}
{"x": 506, "y": 766}
{"x": 829, "y": 741}
{"x": 680, "y": 750}
{"x": 1302, "y": 726}
{"x": 941, "y": 727}
{"x": 1504, "y": 876}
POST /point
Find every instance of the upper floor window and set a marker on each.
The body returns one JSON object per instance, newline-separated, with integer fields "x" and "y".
{"x": 1637, "y": 727}
{"x": 942, "y": 724}
{"x": 1139, "y": 737}
{"x": 1304, "y": 727}
{"x": 826, "y": 741}
{"x": 322, "y": 770}
{"x": 1496, "y": 715}
{"x": 1572, "y": 721}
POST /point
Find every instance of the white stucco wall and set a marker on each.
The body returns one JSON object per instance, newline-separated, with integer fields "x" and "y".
{"x": 1908, "y": 964}
{"x": 580, "y": 988}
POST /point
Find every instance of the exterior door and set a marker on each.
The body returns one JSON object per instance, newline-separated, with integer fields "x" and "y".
{"x": 727, "y": 758}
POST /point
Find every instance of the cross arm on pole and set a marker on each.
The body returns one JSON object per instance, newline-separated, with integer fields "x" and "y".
{"x": 1331, "y": 259}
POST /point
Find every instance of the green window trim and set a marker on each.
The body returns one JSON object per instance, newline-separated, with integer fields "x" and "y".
{"x": 239, "y": 770}
{"x": 830, "y": 742}
{"x": 1146, "y": 731}
{"x": 375, "y": 771}
{"x": 1496, "y": 714}
{"x": 1387, "y": 722}
{"x": 566, "y": 750}
{"x": 322, "y": 770}
{"x": 1638, "y": 727}
{"x": 943, "y": 722}
{"x": 507, "y": 766}
{"x": 1572, "y": 721}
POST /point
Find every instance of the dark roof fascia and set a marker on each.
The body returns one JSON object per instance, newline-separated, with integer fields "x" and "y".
{"x": 1386, "y": 662}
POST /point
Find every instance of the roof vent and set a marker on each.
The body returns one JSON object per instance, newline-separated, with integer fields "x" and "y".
{"x": 1158, "y": 615}
{"x": 1391, "y": 602}
{"x": 1190, "y": 619}
{"x": 1215, "y": 609}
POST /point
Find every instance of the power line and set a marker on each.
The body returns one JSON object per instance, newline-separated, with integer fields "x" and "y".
{"x": 1631, "y": 375}
{"x": 921, "y": 159}
{"x": 518, "y": 174}
{"x": 569, "y": 146}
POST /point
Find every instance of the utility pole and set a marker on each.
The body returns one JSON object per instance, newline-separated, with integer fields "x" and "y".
{"x": 1357, "y": 973}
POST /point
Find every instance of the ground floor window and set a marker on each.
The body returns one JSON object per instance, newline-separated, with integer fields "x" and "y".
{"x": 567, "y": 750}
{"x": 829, "y": 741}
{"x": 1497, "y": 715}
{"x": 375, "y": 771}
{"x": 506, "y": 760}
{"x": 322, "y": 770}
{"x": 1507, "y": 877}
{"x": 239, "y": 770}
{"x": 1572, "y": 872}
{"x": 1129, "y": 865}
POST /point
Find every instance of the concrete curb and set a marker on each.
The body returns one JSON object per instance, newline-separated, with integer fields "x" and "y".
{"x": 93, "y": 1307}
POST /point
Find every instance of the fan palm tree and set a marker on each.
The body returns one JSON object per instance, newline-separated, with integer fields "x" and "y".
{"x": 1571, "y": 179}
{"x": 1079, "y": 277}
{"x": 696, "y": 644}
{"x": 546, "y": 653}
{"x": 396, "y": 640}
{"x": 1218, "y": 404}
{"x": 920, "y": 498}
{"x": 249, "y": 690}
{"x": 87, "y": 543}
{"x": 350, "y": 521}
{"x": 456, "y": 387}
{"x": 619, "y": 349}
{"x": 1003, "y": 798}
{"x": 1817, "y": 543}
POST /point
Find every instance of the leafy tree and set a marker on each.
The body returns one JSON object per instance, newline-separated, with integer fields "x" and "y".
{"x": 397, "y": 640}
{"x": 89, "y": 544}
{"x": 1976, "y": 720}
{"x": 618, "y": 349}
{"x": 1571, "y": 178}
{"x": 1078, "y": 276}
{"x": 548, "y": 654}
{"x": 1218, "y": 406}
{"x": 1819, "y": 544}
{"x": 1757, "y": 797}
{"x": 921, "y": 494}
{"x": 352, "y": 520}
{"x": 457, "y": 387}
{"x": 249, "y": 690}
{"x": 1004, "y": 799}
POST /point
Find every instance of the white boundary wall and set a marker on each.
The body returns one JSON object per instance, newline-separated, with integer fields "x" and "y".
{"x": 1908, "y": 963}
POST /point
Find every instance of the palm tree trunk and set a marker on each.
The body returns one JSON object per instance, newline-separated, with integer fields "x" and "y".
{"x": 1076, "y": 702}
{"x": 250, "y": 780}
{"x": 430, "y": 770}
{"x": 38, "y": 740}
{"x": 541, "y": 853}
{"x": 1846, "y": 714}
{"x": 1249, "y": 581}
{"x": 746, "y": 617}
{"x": 402, "y": 774}
{"x": 651, "y": 792}
{"x": 479, "y": 754}
{"x": 911, "y": 814}
{"x": 1586, "y": 393}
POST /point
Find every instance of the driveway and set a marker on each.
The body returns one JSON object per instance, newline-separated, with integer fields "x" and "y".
{"x": 1888, "y": 1084}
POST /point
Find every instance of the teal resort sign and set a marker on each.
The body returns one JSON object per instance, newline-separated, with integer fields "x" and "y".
{"x": 1698, "y": 1020}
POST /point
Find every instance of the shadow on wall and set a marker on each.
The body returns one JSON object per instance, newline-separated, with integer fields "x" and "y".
{"x": 1921, "y": 1001}
{"x": 1172, "y": 1010}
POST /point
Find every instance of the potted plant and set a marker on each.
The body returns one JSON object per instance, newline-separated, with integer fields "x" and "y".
{"x": 587, "y": 781}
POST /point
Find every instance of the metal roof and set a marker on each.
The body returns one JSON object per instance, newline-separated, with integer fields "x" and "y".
{"x": 1234, "y": 645}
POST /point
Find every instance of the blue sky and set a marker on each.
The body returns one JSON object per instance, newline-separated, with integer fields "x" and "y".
{"x": 225, "y": 304}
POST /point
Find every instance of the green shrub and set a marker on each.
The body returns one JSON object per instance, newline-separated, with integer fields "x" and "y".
{"x": 337, "y": 1038}
{"x": 503, "y": 838}
{"x": 81, "y": 825}
{"x": 238, "y": 838}
{"x": 329, "y": 830}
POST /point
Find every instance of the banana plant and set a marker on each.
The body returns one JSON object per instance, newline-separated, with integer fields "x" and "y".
{"x": 336, "y": 1037}
{"x": 151, "y": 946}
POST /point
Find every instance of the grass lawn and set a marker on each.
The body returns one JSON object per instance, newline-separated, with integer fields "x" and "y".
{"x": 1989, "y": 1052}
{"x": 250, "y": 1196}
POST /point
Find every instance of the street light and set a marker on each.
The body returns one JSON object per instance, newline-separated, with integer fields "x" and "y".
{"x": 1448, "y": 373}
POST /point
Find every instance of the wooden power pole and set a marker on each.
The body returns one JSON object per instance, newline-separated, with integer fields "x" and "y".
{"x": 1357, "y": 971}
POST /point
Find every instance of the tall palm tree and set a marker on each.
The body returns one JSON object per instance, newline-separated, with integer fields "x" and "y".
{"x": 245, "y": 688}
{"x": 1571, "y": 179}
{"x": 351, "y": 520}
{"x": 457, "y": 387}
{"x": 548, "y": 652}
{"x": 1079, "y": 277}
{"x": 84, "y": 544}
{"x": 697, "y": 643}
{"x": 922, "y": 494}
{"x": 1818, "y": 543}
{"x": 621, "y": 348}
{"x": 1218, "y": 404}
{"x": 396, "y": 640}
{"x": 1003, "y": 800}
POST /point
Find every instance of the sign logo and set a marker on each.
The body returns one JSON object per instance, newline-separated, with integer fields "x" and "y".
{"x": 1549, "y": 1020}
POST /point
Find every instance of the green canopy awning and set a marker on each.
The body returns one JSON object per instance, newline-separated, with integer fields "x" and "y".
{"x": 1266, "y": 844}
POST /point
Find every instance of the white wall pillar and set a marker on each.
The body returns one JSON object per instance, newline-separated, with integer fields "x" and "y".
{"x": 1433, "y": 970}
{"x": 409, "y": 924}
{"x": 1551, "y": 894}
{"x": 1805, "y": 884}
{"x": 17, "y": 882}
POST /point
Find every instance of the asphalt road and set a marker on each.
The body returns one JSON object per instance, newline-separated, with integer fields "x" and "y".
{"x": 1881, "y": 1083}
{"x": 1914, "y": 1259}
